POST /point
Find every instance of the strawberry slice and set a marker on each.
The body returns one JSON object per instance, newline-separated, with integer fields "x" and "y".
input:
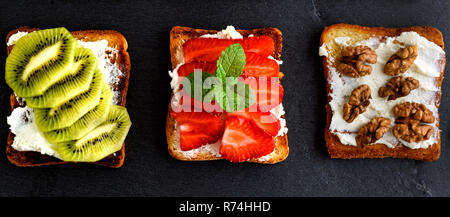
{"x": 268, "y": 91}
{"x": 197, "y": 129}
{"x": 243, "y": 140}
{"x": 204, "y": 49}
{"x": 188, "y": 68}
{"x": 255, "y": 66}
{"x": 190, "y": 104}
{"x": 265, "y": 120}
{"x": 262, "y": 45}
{"x": 210, "y": 49}
{"x": 260, "y": 66}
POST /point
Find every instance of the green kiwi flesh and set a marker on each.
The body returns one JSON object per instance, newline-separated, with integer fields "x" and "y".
{"x": 76, "y": 80}
{"x": 102, "y": 141}
{"x": 85, "y": 124}
{"x": 38, "y": 60}
{"x": 65, "y": 114}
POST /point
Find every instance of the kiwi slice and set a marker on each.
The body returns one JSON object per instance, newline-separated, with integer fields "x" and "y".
{"x": 65, "y": 114}
{"x": 85, "y": 124}
{"x": 104, "y": 140}
{"x": 38, "y": 60}
{"x": 76, "y": 80}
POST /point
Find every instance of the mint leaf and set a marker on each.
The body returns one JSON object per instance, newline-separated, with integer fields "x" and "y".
{"x": 231, "y": 62}
{"x": 244, "y": 96}
{"x": 199, "y": 84}
{"x": 234, "y": 97}
{"x": 224, "y": 86}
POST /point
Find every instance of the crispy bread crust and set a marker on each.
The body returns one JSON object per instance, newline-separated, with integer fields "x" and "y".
{"x": 178, "y": 36}
{"x": 115, "y": 40}
{"x": 338, "y": 150}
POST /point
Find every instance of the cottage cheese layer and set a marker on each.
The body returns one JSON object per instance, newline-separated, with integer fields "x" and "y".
{"x": 15, "y": 37}
{"x": 427, "y": 69}
{"x": 21, "y": 121}
{"x": 228, "y": 33}
{"x": 27, "y": 135}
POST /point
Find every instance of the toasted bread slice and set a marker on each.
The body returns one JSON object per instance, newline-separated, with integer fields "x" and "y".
{"x": 178, "y": 36}
{"x": 122, "y": 59}
{"x": 358, "y": 33}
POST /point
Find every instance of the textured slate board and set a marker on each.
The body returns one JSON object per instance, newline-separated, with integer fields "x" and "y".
{"x": 150, "y": 171}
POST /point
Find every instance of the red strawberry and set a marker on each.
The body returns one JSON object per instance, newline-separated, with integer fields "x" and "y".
{"x": 242, "y": 140}
{"x": 255, "y": 66}
{"x": 262, "y": 45}
{"x": 197, "y": 129}
{"x": 188, "y": 68}
{"x": 268, "y": 91}
{"x": 265, "y": 120}
{"x": 260, "y": 66}
{"x": 189, "y": 104}
{"x": 210, "y": 49}
{"x": 204, "y": 49}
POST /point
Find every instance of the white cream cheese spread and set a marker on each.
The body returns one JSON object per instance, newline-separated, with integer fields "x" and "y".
{"x": 228, "y": 33}
{"x": 21, "y": 121}
{"x": 27, "y": 135}
{"x": 15, "y": 37}
{"x": 104, "y": 54}
{"x": 323, "y": 50}
{"x": 426, "y": 69}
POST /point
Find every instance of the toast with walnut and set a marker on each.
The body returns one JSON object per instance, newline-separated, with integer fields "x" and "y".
{"x": 383, "y": 91}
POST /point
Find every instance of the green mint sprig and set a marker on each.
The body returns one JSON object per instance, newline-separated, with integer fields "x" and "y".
{"x": 224, "y": 86}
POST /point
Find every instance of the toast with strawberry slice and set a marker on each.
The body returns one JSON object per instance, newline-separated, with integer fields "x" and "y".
{"x": 235, "y": 136}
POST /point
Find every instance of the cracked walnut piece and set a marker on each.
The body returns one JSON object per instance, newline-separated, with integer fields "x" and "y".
{"x": 401, "y": 61}
{"x": 412, "y": 110}
{"x": 354, "y": 59}
{"x": 411, "y": 130}
{"x": 357, "y": 103}
{"x": 408, "y": 127}
{"x": 373, "y": 131}
{"x": 398, "y": 87}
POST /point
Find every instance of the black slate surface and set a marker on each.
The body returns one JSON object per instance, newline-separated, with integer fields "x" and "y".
{"x": 148, "y": 168}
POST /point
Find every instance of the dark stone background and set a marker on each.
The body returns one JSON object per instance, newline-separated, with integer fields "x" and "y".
{"x": 148, "y": 168}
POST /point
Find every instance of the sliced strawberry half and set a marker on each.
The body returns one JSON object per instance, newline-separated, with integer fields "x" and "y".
{"x": 204, "y": 49}
{"x": 268, "y": 91}
{"x": 260, "y": 66}
{"x": 190, "y": 104}
{"x": 188, "y": 68}
{"x": 243, "y": 140}
{"x": 255, "y": 66}
{"x": 210, "y": 49}
{"x": 265, "y": 120}
{"x": 197, "y": 129}
{"x": 262, "y": 45}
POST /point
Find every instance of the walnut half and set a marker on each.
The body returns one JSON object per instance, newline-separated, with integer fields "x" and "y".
{"x": 357, "y": 103}
{"x": 401, "y": 61}
{"x": 398, "y": 87}
{"x": 408, "y": 126}
{"x": 373, "y": 131}
{"x": 411, "y": 130}
{"x": 354, "y": 59}
{"x": 412, "y": 110}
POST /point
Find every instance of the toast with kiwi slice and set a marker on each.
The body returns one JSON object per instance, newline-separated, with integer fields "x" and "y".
{"x": 100, "y": 110}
